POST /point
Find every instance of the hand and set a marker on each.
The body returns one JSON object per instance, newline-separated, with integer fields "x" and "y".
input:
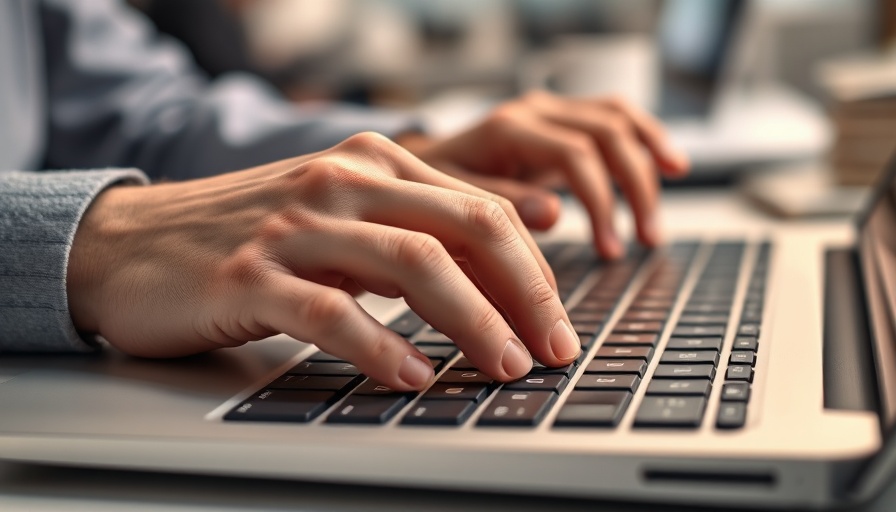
{"x": 179, "y": 268}
{"x": 541, "y": 137}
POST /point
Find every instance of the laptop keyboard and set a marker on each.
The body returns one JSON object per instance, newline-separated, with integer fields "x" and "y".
{"x": 653, "y": 330}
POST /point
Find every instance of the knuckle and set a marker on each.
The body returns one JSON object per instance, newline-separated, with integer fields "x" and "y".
{"x": 579, "y": 147}
{"x": 488, "y": 218}
{"x": 368, "y": 142}
{"x": 246, "y": 268}
{"x": 501, "y": 117}
{"x": 417, "y": 250}
{"x": 328, "y": 307}
{"x": 536, "y": 96}
{"x": 488, "y": 320}
{"x": 539, "y": 293}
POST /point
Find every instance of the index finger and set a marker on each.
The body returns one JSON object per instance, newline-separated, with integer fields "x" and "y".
{"x": 673, "y": 162}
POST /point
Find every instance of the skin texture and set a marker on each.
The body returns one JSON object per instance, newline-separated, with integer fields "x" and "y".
{"x": 179, "y": 268}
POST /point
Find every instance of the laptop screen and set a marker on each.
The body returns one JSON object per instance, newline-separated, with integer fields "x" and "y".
{"x": 877, "y": 250}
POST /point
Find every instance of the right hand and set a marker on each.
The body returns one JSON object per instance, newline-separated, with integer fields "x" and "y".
{"x": 179, "y": 268}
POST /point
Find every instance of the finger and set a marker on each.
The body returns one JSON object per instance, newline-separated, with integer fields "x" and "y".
{"x": 417, "y": 267}
{"x": 332, "y": 320}
{"x": 541, "y": 144}
{"x": 480, "y": 231}
{"x": 627, "y": 161}
{"x": 673, "y": 162}
{"x": 538, "y": 208}
{"x": 410, "y": 168}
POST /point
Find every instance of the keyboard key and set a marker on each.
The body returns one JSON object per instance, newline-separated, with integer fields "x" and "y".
{"x": 465, "y": 377}
{"x": 438, "y": 351}
{"x": 699, "y": 387}
{"x": 732, "y": 415}
{"x": 538, "y": 368}
{"x": 630, "y": 352}
{"x": 746, "y": 343}
{"x": 646, "y": 315}
{"x": 655, "y": 304}
{"x": 543, "y": 382}
{"x": 605, "y": 382}
{"x": 517, "y": 408}
{"x": 707, "y": 309}
{"x": 313, "y": 382}
{"x": 678, "y": 411}
{"x": 696, "y": 331}
{"x": 446, "y": 391}
{"x": 634, "y": 366}
{"x": 374, "y": 388}
{"x": 439, "y": 412}
{"x": 323, "y": 357}
{"x": 367, "y": 409}
{"x": 593, "y": 409}
{"x": 703, "y": 320}
{"x": 736, "y": 392}
{"x": 685, "y": 371}
{"x": 638, "y": 327}
{"x": 407, "y": 324}
{"x": 695, "y": 343}
{"x": 316, "y": 368}
{"x": 589, "y": 328}
{"x": 283, "y": 405}
{"x": 586, "y": 340}
{"x": 743, "y": 357}
{"x": 463, "y": 364}
{"x": 748, "y": 330}
{"x": 690, "y": 357}
{"x": 631, "y": 339}
{"x": 433, "y": 338}
{"x": 740, "y": 372}
{"x": 587, "y": 316}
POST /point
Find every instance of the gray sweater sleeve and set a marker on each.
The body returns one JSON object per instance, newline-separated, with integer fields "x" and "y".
{"x": 39, "y": 213}
{"x": 119, "y": 95}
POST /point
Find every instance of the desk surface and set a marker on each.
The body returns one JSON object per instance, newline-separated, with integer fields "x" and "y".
{"x": 36, "y": 488}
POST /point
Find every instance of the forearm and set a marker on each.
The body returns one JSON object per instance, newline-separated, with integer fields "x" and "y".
{"x": 39, "y": 214}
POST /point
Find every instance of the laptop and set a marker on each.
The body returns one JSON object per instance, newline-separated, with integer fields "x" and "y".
{"x": 715, "y": 370}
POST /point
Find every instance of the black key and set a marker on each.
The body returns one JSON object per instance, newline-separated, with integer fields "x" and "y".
{"x": 748, "y": 330}
{"x": 655, "y": 304}
{"x": 617, "y": 366}
{"x": 703, "y": 320}
{"x": 373, "y": 388}
{"x": 690, "y": 357}
{"x": 283, "y": 405}
{"x": 438, "y": 351}
{"x": 542, "y": 382}
{"x": 695, "y": 343}
{"x": 517, "y": 408}
{"x": 465, "y": 377}
{"x": 707, "y": 309}
{"x": 439, "y": 412}
{"x": 736, "y": 392}
{"x": 586, "y": 327}
{"x": 598, "y": 381}
{"x": 631, "y": 352}
{"x": 638, "y": 327}
{"x": 538, "y": 368}
{"x": 407, "y": 324}
{"x": 732, "y": 415}
{"x": 436, "y": 363}
{"x": 740, "y": 372}
{"x": 313, "y": 382}
{"x": 751, "y": 315}
{"x": 672, "y": 411}
{"x": 746, "y": 343}
{"x": 685, "y": 371}
{"x": 631, "y": 339}
{"x": 646, "y": 315}
{"x": 316, "y": 368}
{"x": 587, "y": 316}
{"x": 323, "y": 357}
{"x": 593, "y": 409}
{"x": 367, "y": 409}
{"x": 463, "y": 364}
{"x": 445, "y": 391}
{"x": 743, "y": 357}
{"x": 586, "y": 340}
{"x": 698, "y": 387}
{"x": 696, "y": 331}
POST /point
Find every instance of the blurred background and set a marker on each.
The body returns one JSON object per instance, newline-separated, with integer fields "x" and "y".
{"x": 795, "y": 100}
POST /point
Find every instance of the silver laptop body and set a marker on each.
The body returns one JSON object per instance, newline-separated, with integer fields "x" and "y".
{"x": 817, "y": 429}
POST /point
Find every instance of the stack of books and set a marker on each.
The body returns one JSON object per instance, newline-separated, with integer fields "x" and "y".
{"x": 862, "y": 101}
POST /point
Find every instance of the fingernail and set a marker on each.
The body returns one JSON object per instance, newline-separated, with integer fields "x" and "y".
{"x": 612, "y": 245}
{"x": 415, "y": 373}
{"x": 677, "y": 156}
{"x": 531, "y": 210}
{"x": 564, "y": 343}
{"x": 516, "y": 360}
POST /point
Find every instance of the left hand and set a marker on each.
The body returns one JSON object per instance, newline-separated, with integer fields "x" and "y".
{"x": 541, "y": 139}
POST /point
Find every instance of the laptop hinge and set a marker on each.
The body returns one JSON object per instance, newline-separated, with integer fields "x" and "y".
{"x": 848, "y": 361}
